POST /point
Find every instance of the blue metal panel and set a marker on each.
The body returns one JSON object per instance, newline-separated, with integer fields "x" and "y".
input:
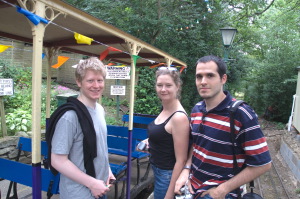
{"x": 22, "y": 174}
{"x": 24, "y": 144}
{"x": 147, "y": 119}
{"x": 16, "y": 171}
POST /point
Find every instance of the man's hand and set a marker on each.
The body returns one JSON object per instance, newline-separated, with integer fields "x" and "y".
{"x": 215, "y": 193}
{"x": 98, "y": 188}
{"x": 184, "y": 176}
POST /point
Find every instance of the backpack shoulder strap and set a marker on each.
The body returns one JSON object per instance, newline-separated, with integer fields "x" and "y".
{"x": 232, "y": 109}
{"x": 234, "y": 105}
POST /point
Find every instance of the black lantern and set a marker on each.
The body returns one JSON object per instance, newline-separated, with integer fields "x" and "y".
{"x": 228, "y": 35}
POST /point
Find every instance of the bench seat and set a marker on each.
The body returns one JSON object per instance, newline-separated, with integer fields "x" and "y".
{"x": 22, "y": 173}
{"x": 134, "y": 154}
{"x": 116, "y": 169}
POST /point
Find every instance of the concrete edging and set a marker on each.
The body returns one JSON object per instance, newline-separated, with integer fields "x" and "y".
{"x": 290, "y": 158}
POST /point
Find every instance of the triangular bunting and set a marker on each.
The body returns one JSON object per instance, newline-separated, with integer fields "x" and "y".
{"x": 135, "y": 58}
{"x": 105, "y": 52}
{"x": 154, "y": 66}
{"x": 60, "y": 61}
{"x": 182, "y": 68}
{"x": 35, "y": 19}
{"x": 4, "y": 48}
{"x": 81, "y": 39}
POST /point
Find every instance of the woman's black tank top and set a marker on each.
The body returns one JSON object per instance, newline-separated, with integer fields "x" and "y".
{"x": 161, "y": 145}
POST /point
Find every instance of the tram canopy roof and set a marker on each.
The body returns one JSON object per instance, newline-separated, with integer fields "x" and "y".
{"x": 60, "y": 33}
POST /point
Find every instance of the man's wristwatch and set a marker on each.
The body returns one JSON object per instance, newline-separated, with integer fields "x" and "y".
{"x": 187, "y": 167}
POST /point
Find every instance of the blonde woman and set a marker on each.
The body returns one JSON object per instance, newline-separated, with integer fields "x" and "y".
{"x": 168, "y": 134}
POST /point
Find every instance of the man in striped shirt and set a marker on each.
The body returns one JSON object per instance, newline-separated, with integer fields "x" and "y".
{"x": 209, "y": 168}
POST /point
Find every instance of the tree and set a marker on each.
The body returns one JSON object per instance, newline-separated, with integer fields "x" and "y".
{"x": 265, "y": 49}
{"x": 273, "y": 78}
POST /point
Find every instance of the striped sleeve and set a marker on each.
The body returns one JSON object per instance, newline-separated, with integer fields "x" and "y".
{"x": 252, "y": 138}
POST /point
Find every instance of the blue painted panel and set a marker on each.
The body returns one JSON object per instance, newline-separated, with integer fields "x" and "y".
{"x": 139, "y": 119}
{"x": 22, "y": 174}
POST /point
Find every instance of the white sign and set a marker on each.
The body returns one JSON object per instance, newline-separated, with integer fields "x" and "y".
{"x": 113, "y": 72}
{"x": 6, "y": 87}
{"x": 117, "y": 90}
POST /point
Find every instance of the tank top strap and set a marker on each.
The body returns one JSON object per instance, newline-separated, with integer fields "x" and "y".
{"x": 167, "y": 120}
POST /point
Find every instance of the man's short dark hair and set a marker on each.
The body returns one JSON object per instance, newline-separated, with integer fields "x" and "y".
{"x": 222, "y": 67}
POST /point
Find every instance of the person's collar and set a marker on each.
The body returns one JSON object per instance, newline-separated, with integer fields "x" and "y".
{"x": 220, "y": 106}
{"x": 225, "y": 102}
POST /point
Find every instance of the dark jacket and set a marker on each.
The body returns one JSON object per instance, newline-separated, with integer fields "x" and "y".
{"x": 86, "y": 123}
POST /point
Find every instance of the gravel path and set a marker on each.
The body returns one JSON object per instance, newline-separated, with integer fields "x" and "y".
{"x": 279, "y": 182}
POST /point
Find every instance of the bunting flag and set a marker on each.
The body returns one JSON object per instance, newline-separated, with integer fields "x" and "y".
{"x": 154, "y": 66}
{"x": 35, "y": 19}
{"x": 60, "y": 61}
{"x": 4, "y": 48}
{"x": 135, "y": 58}
{"x": 105, "y": 53}
{"x": 116, "y": 65}
{"x": 81, "y": 39}
{"x": 181, "y": 69}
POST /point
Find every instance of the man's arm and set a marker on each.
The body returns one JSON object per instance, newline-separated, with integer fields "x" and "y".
{"x": 246, "y": 175}
{"x": 63, "y": 165}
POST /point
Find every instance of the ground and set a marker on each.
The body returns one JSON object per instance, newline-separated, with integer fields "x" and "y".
{"x": 279, "y": 182}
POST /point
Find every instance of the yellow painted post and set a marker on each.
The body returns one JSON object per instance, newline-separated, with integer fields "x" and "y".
{"x": 3, "y": 121}
{"x": 132, "y": 89}
{"x": 37, "y": 37}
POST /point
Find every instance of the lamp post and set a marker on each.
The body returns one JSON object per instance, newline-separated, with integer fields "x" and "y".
{"x": 228, "y": 34}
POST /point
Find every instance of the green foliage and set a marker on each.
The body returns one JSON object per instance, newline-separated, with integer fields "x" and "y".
{"x": 108, "y": 102}
{"x": 264, "y": 51}
{"x": 7, "y": 71}
{"x": 22, "y": 88}
{"x": 280, "y": 125}
{"x": 18, "y": 107}
{"x": 21, "y": 75}
{"x": 146, "y": 101}
{"x": 273, "y": 75}
{"x": 18, "y": 120}
{"x": 110, "y": 120}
